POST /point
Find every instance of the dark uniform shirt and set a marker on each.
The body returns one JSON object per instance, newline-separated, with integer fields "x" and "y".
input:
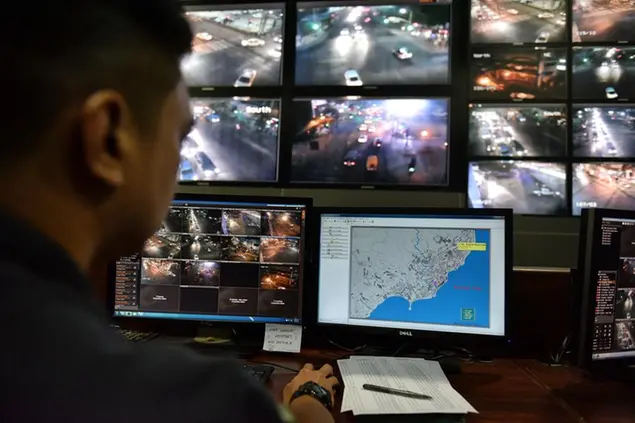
{"x": 62, "y": 362}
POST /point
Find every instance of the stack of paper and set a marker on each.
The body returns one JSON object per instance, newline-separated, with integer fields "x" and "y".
{"x": 409, "y": 374}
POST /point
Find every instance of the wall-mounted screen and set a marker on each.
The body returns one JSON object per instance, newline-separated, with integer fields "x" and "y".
{"x": 235, "y": 45}
{"x": 518, "y": 73}
{"x": 527, "y": 187}
{"x": 232, "y": 140}
{"x": 371, "y": 141}
{"x": 604, "y": 131}
{"x": 518, "y": 130}
{"x": 355, "y": 44}
{"x": 604, "y": 73}
{"x": 520, "y": 21}
{"x": 603, "y": 185}
{"x": 603, "y": 20}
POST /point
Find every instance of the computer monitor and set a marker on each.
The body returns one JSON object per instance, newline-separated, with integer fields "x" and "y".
{"x": 218, "y": 259}
{"x": 607, "y": 274}
{"x": 408, "y": 271}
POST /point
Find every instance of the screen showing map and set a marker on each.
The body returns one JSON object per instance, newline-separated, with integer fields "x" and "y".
{"x": 429, "y": 273}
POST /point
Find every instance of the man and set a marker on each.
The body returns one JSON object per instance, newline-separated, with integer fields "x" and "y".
{"x": 95, "y": 111}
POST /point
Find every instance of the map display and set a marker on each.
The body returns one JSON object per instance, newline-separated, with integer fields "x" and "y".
{"x": 420, "y": 275}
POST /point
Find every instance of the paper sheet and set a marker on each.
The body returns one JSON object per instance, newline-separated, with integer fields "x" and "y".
{"x": 415, "y": 375}
{"x": 283, "y": 338}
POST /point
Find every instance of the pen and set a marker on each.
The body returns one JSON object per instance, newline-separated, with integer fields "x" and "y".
{"x": 385, "y": 390}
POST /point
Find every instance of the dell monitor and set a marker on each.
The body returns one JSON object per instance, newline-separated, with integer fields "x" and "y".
{"x": 607, "y": 272}
{"x": 218, "y": 259}
{"x": 408, "y": 271}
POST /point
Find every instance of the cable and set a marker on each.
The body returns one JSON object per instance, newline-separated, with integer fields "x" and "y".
{"x": 347, "y": 349}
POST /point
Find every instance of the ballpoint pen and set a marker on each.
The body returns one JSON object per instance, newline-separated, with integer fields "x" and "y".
{"x": 392, "y": 391}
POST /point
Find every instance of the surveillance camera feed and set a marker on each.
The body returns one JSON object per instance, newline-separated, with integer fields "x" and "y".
{"x": 240, "y": 47}
{"x": 519, "y": 73}
{"x": 519, "y": 21}
{"x": 371, "y": 141}
{"x": 603, "y": 185}
{"x": 356, "y": 45}
{"x": 603, "y": 20}
{"x": 517, "y": 130}
{"x": 604, "y": 131}
{"x": 212, "y": 260}
{"x": 232, "y": 140}
{"x": 604, "y": 72}
{"x": 527, "y": 187}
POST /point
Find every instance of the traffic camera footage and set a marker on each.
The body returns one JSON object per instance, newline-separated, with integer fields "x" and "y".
{"x": 603, "y": 20}
{"x": 518, "y": 130}
{"x": 371, "y": 141}
{"x": 525, "y": 186}
{"x": 603, "y": 185}
{"x": 519, "y": 21}
{"x": 237, "y": 47}
{"x": 519, "y": 73}
{"x": 232, "y": 140}
{"x": 604, "y": 72}
{"x": 604, "y": 131}
{"x": 372, "y": 45}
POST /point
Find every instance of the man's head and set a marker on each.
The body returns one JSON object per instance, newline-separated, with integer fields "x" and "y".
{"x": 95, "y": 110}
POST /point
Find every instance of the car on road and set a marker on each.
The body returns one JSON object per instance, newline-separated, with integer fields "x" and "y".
{"x": 252, "y": 42}
{"x": 512, "y": 11}
{"x": 345, "y": 32}
{"x": 519, "y": 150}
{"x": 402, "y": 53}
{"x": 543, "y": 37}
{"x": 186, "y": 171}
{"x": 545, "y": 15}
{"x": 189, "y": 147}
{"x": 351, "y": 159}
{"x": 277, "y": 39}
{"x": 246, "y": 79}
{"x": 610, "y": 148}
{"x": 372, "y": 163}
{"x": 611, "y": 93}
{"x": 276, "y": 51}
{"x": 204, "y": 36}
{"x": 505, "y": 150}
{"x": 352, "y": 78}
{"x": 363, "y": 138}
{"x": 545, "y": 191}
{"x": 377, "y": 142}
{"x": 209, "y": 169}
{"x": 412, "y": 165}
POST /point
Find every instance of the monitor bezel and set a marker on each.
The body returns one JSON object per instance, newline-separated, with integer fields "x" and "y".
{"x": 169, "y": 325}
{"x": 342, "y": 331}
{"x": 590, "y": 232}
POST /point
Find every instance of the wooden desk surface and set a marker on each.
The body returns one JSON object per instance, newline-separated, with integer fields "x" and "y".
{"x": 512, "y": 391}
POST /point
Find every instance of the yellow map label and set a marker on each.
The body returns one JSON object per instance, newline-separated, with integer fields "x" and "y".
{"x": 471, "y": 246}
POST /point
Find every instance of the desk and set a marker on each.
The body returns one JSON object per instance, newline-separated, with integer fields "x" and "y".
{"x": 510, "y": 391}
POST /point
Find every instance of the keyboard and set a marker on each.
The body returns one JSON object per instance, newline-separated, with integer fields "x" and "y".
{"x": 136, "y": 336}
{"x": 262, "y": 372}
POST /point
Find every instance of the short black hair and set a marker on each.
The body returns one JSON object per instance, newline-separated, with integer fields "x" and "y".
{"x": 57, "y": 53}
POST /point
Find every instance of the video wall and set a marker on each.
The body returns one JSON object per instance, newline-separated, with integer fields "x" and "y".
{"x": 320, "y": 109}
{"x": 552, "y": 105}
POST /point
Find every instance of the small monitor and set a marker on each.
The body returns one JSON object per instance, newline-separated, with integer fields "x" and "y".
{"x": 515, "y": 130}
{"x": 519, "y": 22}
{"x": 218, "y": 259}
{"x": 604, "y": 131}
{"x": 527, "y": 187}
{"x": 607, "y": 270}
{"x": 602, "y": 73}
{"x": 518, "y": 73}
{"x": 370, "y": 42}
{"x": 606, "y": 21}
{"x": 233, "y": 140}
{"x": 415, "y": 270}
{"x": 235, "y": 45}
{"x": 603, "y": 185}
{"x": 371, "y": 141}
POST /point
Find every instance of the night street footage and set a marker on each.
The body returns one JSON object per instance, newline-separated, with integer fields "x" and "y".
{"x": 232, "y": 140}
{"x": 604, "y": 131}
{"x": 604, "y": 73}
{"x": 517, "y": 130}
{"x": 373, "y": 45}
{"x": 603, "y": 185}
{"x": 603, "y": 21}
{"x": 239, "y": 47}
{"x": 371, "y": 141}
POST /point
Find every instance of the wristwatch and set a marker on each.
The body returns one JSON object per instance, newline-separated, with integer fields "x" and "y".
{"x": 314, "y": 390}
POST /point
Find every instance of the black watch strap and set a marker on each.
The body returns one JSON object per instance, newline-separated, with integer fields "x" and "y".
{"x": 314, "y": 390}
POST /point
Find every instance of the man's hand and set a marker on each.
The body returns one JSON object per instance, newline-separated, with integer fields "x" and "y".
{"x": 323, "y": 377}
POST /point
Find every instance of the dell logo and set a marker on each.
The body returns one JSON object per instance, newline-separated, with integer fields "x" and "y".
{"x": 405, "y": 333}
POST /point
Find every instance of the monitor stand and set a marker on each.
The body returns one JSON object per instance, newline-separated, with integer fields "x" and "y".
{"x": 225, "y": 342}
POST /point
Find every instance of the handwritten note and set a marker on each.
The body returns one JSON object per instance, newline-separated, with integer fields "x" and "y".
{"x": 283, "y": 338}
